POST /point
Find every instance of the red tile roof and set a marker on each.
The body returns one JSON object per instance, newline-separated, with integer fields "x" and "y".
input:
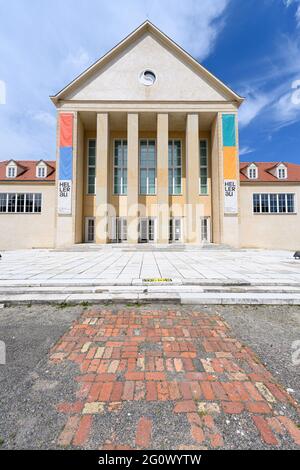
{"x": 264, "y": 175}
{"x": 28, "y": 172}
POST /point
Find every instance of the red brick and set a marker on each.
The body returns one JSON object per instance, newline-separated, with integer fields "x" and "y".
{"x": 231, "y": 391}
{"x": 155, "y": 376}
{"x": 197, "y": 434}
{"x": 265, "y": 430}
{"x": 67, "y": 434}
{"x": 185, "y": 390}
{"x": 140, "y": 390}
{"x": 105, "y": 391}
{"x": 186, "y": 406}
{"x": 216, "y": 440}
{"x": 151, "y": 391}
{"x": 232, "y": 407}
{"x": 128, "y": 391}
{"x": 162, "y": 391}
{"x": 94, "y": 392}
{"x": 219, "y": 391}
{"x": 253, "y": 391}
{"x": 117, "y": 391}
{"x": 83, "y": 431}
{"x": 258, "y": 407}
{"x": 174, "y": 391}
{"x": 292, "y": 428}
{"x": 134, "y": 376}
{"x": 105, "y": 377}
{"x": 143, "y": 433}
{"x": 207, "y": 391}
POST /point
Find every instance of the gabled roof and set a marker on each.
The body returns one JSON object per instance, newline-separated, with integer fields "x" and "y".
{"x": 145, "y": 27}
{"x": 29, "y": 171}
{"x": 264, "y": 174}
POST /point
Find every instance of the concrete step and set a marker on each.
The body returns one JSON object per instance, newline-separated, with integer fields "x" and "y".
{"x": 199, "y": 298}
{"x": 144, "y": 247}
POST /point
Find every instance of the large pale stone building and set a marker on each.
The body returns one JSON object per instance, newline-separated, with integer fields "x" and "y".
{"x": 147, "y": 151}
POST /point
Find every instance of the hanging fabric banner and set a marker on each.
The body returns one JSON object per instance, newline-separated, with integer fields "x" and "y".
{"x": 65, "y": 164}
{"x": 230, "y": 164}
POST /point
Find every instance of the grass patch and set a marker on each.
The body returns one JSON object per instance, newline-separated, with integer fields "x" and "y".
{"x": 62, "y": 305}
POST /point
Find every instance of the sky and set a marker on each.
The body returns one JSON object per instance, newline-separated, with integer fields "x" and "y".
{"x": 253, "y": 46}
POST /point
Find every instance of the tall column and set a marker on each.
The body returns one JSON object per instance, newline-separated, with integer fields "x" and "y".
{"x": 162, "y": 178}
{"x": 132, "y": 177}
{"x": 102, "y": 155}
{"x": 217, "y": 180}
{"x": 192, "y": 177}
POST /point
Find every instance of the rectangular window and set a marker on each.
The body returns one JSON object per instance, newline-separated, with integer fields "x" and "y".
{"x": 11, "y": 203}
{"x": 147, "y": 167}
{"x": 3, "y": 202}
{"x": 91, "y": 173}
{"x": 120, "y": 167}
{"x": 21, "y": 203}
{"x": 203, "y": 167}
{"x": 274, "y": 203}
{"x": 11, "y": 172}
{"x": 175, "y": 167}
{"x": 41, "y": 172}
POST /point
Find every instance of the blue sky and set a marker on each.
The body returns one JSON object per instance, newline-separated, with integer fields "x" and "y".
{"x": 252, "y": 45}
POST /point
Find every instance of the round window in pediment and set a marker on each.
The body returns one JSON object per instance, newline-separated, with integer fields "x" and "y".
{"x": 147, "y": 78}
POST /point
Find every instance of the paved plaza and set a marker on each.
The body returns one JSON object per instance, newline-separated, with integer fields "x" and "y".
{"x": 117, "y": 266}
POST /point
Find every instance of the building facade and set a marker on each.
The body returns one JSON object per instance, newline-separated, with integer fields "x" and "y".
{"x": 147, "y": 152}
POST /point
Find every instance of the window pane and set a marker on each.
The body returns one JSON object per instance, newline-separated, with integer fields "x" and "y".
{"x": 29, "y": 203}
{"x": 3, "y": 197}
{"x": 38, "y": 203}
{"x": 273, "y": 203}
{"x": 203, "y": 167}
{"x": 282, "y": 202}
{"x": 264, "y": 203}
{"x": 20, "y": 202}
{"x": 91, "y": 166}
{"x": 11, "y": 203}
{"x": 290, "y": 203}
{"x": 143, "y": 182}
{"x": 256, "y": 203}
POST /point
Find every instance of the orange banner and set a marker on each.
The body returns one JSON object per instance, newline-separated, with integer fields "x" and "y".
{"x": 230, "y": 163}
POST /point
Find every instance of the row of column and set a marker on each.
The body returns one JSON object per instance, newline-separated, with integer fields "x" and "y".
{"x": 102, "y": 161}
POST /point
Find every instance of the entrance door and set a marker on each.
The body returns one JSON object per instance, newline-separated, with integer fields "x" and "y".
{"x": 89, "y": 229}
{"x": 146, "y": 229}
{"x": 205, "y": 230}
{"x": 118, "y": 229}
{"x": 175, "y": 230}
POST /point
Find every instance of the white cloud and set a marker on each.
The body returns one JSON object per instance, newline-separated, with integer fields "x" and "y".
{"x": 246, "y": 150}
{"x": 78, "y": 59}
{"x": 288, "y": 3}
{"x": 45, "y": 118}
{"x": 253, "y": 105}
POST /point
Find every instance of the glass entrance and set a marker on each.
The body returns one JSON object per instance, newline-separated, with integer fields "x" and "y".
{"x": 146, "y": 230}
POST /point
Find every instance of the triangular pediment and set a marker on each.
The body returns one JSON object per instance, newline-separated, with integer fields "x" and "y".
{"x": 116, "y": 77}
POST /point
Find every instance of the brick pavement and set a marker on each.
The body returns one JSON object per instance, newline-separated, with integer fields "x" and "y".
{"x": 169, "y": 379}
